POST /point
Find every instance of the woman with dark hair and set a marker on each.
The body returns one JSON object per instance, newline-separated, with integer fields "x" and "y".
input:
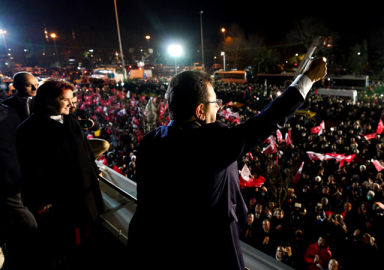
{"x": 61, "y": 184}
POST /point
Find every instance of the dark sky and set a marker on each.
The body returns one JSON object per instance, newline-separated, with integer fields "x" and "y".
{"x": 168, "y": 21}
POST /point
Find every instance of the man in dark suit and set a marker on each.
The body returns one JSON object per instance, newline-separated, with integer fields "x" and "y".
{"x": 26, "y": 85}
{"x": 188, "y": 179}
{"x": 16, "y": 221}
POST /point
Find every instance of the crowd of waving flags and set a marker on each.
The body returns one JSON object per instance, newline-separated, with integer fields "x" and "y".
{"x": 245, "y": 176}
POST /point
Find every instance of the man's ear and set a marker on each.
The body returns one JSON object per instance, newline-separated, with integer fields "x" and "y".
{"x": 199, "y": 112}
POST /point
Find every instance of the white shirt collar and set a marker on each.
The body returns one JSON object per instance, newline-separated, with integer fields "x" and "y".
{"x": 58, "y": 118}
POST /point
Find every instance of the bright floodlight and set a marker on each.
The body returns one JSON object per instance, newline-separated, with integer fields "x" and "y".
{"x": 175, "y": 50}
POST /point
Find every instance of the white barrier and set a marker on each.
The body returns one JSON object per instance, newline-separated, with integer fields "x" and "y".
{"x": 336, "y": 92}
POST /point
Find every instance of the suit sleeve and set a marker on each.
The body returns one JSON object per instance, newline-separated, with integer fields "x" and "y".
{"x": 231, "y": 143}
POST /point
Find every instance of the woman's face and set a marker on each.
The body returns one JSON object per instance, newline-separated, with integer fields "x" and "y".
{"x": 63, "y": 103}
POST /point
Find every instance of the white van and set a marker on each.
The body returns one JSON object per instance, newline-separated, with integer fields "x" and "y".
{"x": 108, "y": 73}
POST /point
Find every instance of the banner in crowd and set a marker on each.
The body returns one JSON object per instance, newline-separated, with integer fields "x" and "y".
{"x": 318, "y": 129}
{"x": 377, "y": 165}
{"x": 380, "y": 127}
{"x": 279, "y": 136}
{"x": 288, "y": 137}
{"x": 369, "y": 136}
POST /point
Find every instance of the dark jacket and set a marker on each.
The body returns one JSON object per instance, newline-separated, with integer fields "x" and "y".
{"x": 17, "y": 103}
{"x": 59, "y": 169}
{"x": 10, "y": 176}
{"x": 188, "y": 185}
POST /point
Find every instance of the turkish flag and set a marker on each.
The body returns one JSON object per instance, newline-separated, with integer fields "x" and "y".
{"x": 87, "y": 103}
{"x": 229, "y": 103}
{"x": 315, "y": 156}
{"x": 270, "y": 149}
{"x": 349, "y": 158}
{"x": 288, "y": 138}
{"x": 256, "y": 182}
{"x": 301, "y": 167}
{"x": 135, "y": 122}
{"x": 279, "y": 136}
{"x": 245, "y": 173}
{"x": 316, "y": 130}
{"x": 329, "y": 156}
{"x": 296, "y": 178}
{"x": 103, "y": 160}
{"x": 378, "y": 165}
{"x": 116, "y": 169}
{"x": 322, "y": 126}
{"x": 369, "y": 136}
{"x": 143, "y": 98}
{"x": 134, "y": 103}
{"x": 87, "y": 98}
{"x": 270, "y": 139}
{"x": 380, "y": 127}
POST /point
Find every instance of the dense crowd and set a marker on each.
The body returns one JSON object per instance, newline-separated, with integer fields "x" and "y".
{"x": 330, "y": 209}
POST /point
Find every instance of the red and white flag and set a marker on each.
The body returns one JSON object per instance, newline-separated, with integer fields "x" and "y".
{"x": 377, "y": 165}
{"x": 135, "y": 122}
{"x": 279, "y": 136}
{"x": 322, "y": 126}
{"x": 369, "y": 136}
{"x": 301, "y": 167}
{"x": 245, "y": 172}
{"x": 256, "y": 182}
{"x": 270, "y": 149}
{"x": 329, "y": 156}
{"x": 315, "y": 156}
{"x": 316, "y": 130}
{"x": 349, "y": 158}
{"x": 288, "y": 138}
{"x": 380, "y": 127}
{"x": 229, "y": 103}
{"x": 270, "y": 139}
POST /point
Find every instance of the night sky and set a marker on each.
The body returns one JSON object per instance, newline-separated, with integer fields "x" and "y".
{"x": 169, "y": 21}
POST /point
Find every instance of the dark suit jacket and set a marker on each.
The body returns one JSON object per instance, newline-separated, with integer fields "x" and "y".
{"x": 59, "y": 169}
{"x": 17, "y": 103}
{"x": 188, "y": 174}
{"x": 10, "y": 176}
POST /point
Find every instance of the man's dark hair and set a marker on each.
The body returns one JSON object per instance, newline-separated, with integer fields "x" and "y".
{"x": 185, "y": 91}
{"x": 50, "y": 89}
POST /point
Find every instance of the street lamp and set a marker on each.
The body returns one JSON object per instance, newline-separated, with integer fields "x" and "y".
{"x": 223, "y": 54}
{"x": 148, "y": 38}
{"x": 223, "y": 30}
{"x": 175, "y": 50}
{"x": 5, "y": 44}
{"x": 53, "y": 35}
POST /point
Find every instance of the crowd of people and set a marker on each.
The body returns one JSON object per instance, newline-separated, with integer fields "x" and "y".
{"x": 329, "y": 213}
{"x": 326, "y": 212}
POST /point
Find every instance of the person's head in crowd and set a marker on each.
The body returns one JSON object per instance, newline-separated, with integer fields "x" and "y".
{"x": 333, "y": 265}
{"x": 279, "y": 213}
{"x": 364, "y": 207}
{"x": 325, "y": 190}
{"x": 280, "y": 253}
{"x": 26, "y": 84}
{"x": 258, "y": 209}
{"x": 370, "y": 195}
{"x": 74, "y": 101}
{"x": 266, "y": 225}
{"x": 362, "y": 168}
{"x": 54, "y": 97}
{"x": 366, "y": 239}
{"x": 271, "y": 205}
{"x": 318, "y": 179}
{"x": 347, "y": 207}
{"x": 190, "y": 97}
{"x": 250, "y": 218}
{"x": 323, "y": 240}
{"x": 252, "y": 203}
